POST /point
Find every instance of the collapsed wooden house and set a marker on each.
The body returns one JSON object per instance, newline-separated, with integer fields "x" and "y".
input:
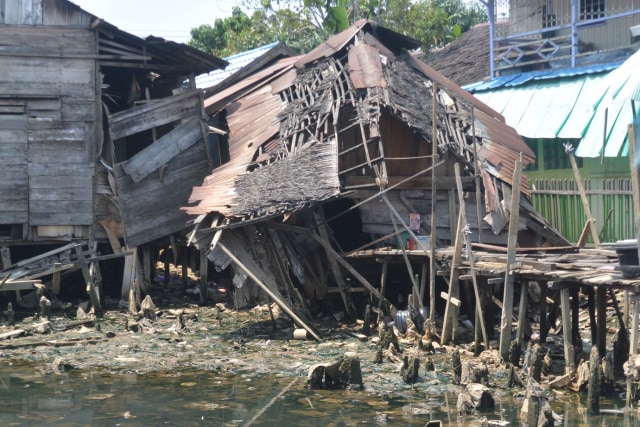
{"x": 332, "y": 167}
{"x": 102, "y": 136}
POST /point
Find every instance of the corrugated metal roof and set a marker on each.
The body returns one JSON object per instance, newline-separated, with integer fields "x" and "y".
{"x": 613, "y": 107}
{"x": 546, "y": 108}
{"x": 236, "y": 62}
{"x": 513, "y": 80}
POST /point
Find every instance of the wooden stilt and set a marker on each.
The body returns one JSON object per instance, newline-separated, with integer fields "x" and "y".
{"x": 544, "y": 319}
{"x": 474, "y": 278}
{"x": 5, "y": 257}
{"x": 184, "y": 256}
{"x": 423, "y": 282}
{"x": 383, "y": 284}
{"x": 55, "y": 281}
{"x": 146, "y": 264}
{"x": 522, "y": 311}
{"x": 566, "y": 328}
{"x": 333, "y": 265}
{"x": 204, "y": 275}
{"x": 591, "y": 306}
{"x": 602, "y": 319}
{"x": 449, "y": 323}
{"x": 91, "y": 288}
{"x": 512, "y": 243}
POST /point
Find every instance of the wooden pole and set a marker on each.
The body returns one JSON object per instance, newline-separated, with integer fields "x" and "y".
{"x": 268, "y": 291}
{"x": 449, "y": 322}
{"x": 204, "y": 274}
{"x": 566, "y": 328}
{"x": 335, "y": 268}
{"x": 414, "y": 283}
{"x": 512, "y": 243}
{"x": 522, "y": 311}
{"x": 434, "y": 234}
{"x": 383, "y": 283}
{"x": 634, "y": 165}
{"x": 333, "y": 254}
{"x": 585, "y": 200}
{"x": 91, "y": 288}
{"x": 601, "y": 303}
{"x": 474, "y": 278}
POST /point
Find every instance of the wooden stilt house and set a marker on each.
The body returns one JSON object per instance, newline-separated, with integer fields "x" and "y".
{"x": 102, "y": 135}
{"x": 345, "y": 155}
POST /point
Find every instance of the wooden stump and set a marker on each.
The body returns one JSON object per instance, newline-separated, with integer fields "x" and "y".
{"x": 410, "y": 369}
{"x": 456, "y": 365}
{"x": 474, "y": 397}
{"x": 535, "y": 410}
{"x": 536, "y": 363}
{"x": 344, "y": 374}
{"x": 593, "y": 389}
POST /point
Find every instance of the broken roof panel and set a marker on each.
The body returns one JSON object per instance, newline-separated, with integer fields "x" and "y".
{"x": 255, "y": 109}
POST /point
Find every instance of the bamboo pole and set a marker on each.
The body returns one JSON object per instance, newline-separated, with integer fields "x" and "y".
{"x": 584, "y": 199}
{"x": 512, "y": 243}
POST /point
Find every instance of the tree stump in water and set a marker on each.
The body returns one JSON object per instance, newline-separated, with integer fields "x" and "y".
{"x": 474, "y": 397}
{"x": 344, "y": 374}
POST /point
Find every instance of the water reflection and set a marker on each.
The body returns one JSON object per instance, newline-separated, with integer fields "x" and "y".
{"x": 34, "y": 397}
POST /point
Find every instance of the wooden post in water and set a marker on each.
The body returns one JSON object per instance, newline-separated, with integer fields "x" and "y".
{"x": 566, "y": 328}
{"x": 512, "y": 243}
{"x": 601, "y": 303}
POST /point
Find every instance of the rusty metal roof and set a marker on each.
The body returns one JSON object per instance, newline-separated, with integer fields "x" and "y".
{"x": 253, "y": 106}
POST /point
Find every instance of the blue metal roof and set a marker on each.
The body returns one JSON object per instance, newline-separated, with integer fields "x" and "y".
{"x": 236, "y": 62}
{"x": 547, "y": 108}
{"x": 513, "y": 80}
{"x": 613, "y": 108}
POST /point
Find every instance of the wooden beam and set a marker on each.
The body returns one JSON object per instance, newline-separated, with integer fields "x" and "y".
{"x": 434, "y": 189}
{"x": 583, "y": 198}
{"x": 281, "y": 303}
{"x": 635, "y": 178}
{"x": 566, "y": 329}
{"x": 333, "y": 265}
{"x": 91, "y": 288}
{"x": 512, "y": 243}
{"x": 327, "y": 246}
{"x": 474, "y": 279}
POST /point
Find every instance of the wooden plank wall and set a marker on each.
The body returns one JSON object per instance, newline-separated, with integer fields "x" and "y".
{"x": 151, "y": 207}
{"x": 48, "y": 73}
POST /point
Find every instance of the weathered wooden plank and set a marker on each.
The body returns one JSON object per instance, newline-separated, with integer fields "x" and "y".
{"x": 65, "y": 218}
{"x": 53, "y": 181}
{"x": 155, "y": 113}
{"x": 152, "y": 208}
{"x": 78, "y": 110}
{"x": 163, "y": 150}
{"x": 37, "y": 77}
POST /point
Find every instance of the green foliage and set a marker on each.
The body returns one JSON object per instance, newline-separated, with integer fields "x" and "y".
{"x": 303, "y": 24}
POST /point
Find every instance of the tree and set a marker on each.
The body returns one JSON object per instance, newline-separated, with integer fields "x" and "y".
{"x": 303, "y": 24}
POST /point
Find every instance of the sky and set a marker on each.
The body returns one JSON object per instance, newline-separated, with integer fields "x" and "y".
{"x": 169, "y": 19}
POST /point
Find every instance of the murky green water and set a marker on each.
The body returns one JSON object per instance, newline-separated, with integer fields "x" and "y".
{"x": 31, "y": 397}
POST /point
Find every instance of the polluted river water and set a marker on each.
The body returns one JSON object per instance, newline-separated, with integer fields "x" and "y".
{"x": 207, "y": 366}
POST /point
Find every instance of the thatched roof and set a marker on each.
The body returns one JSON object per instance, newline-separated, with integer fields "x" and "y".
{"x": 466, "y": 59}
